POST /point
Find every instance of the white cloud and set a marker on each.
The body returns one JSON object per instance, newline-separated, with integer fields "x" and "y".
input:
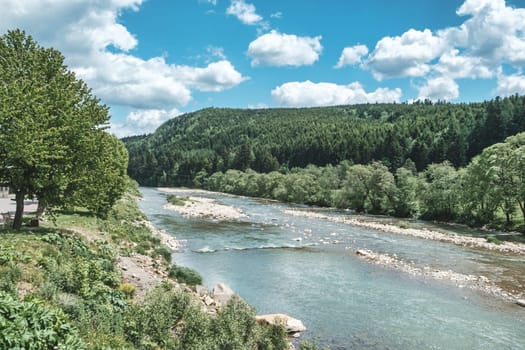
{"x": 441, "y": 88}
{"x": 276, "y": 49}
{"x": 474, "y": 7}
{"x": 493, "y": 32}
{"x": 143, "y": 121}
{"x": 277, "y": 15}
{"x": 453, "y": 65}
{"x": 215, "y": 51}
{"x": 352, "y": 55}
{"x": 307, "y": 93}
{"x": 510, "y": 85}
{"x": 217, "y": 76}
{"x": 405, "y": 55}
{"x": 244, "y": 12}
{"x": 99, "y": 50}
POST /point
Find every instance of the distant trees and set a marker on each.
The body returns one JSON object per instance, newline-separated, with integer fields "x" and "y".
{"x": 52, "y": 142}
{"x": 490, "y": 189}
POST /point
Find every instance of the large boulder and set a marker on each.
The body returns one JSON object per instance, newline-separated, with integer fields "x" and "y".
{"x": 293, "y": 326}
{"x": 222, "y": 293}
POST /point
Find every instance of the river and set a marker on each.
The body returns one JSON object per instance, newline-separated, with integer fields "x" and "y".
{"x": 307, "y": 268}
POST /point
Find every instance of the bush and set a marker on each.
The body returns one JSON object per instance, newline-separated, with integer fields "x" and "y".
{"x": 127, "y": 289}
{"x": 165, "y": 252}
{"x": 494, "y": 240}
{"x": 185, "y": 275}
{"x": 306, "y": 345}
{"x": 173, "y": 199}
{"x": 29, "y": 325}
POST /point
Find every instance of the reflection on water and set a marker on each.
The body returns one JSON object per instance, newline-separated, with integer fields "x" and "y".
{"x": 307, "y": 268}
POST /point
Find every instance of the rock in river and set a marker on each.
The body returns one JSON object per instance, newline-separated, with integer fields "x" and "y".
{"x": 293, "y": 325}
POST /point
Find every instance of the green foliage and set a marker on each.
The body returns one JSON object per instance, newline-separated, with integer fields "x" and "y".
{"x": 307, "y": 345}
{"x": 52, "y": 142}
{"x": 494, "y": 239}
{"x": 489, "y": 191}
{"x": 186, "y": 148}
{"x": 173, "y": 199}
{"x": 164, "y": 252}
{"x": 31, "y": 325}
{"x": 185, "y": 275}
{"x": 80, "y": 280}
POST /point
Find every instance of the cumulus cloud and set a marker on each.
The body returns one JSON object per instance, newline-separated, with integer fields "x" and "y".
{"x": 99, "y": 50}
{"x": 510, "y": 85}
{"x": 244, "y": 12}
{"x": 352, "y": 55}
{"x": 143, "y": 121}
{"x": 307, "y": 93}
{"x": 493, "y": 31}
{"x": 277, "y": 49}
{"x": 217, "y": 76}
{"x": 454, "y": 65}
{"x": 441, "y": 88}
{"x": 405, "y": 55}
{"x": 491, "y": 36}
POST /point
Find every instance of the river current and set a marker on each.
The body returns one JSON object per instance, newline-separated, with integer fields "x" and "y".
{"x": 308, "y": 269}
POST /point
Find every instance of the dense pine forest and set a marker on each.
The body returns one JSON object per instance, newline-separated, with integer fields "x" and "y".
{"x": 449, "y": 162}
{"x": 266, "y": 140}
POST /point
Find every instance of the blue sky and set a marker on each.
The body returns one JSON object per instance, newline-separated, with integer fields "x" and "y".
{"x": 151, "y": 60}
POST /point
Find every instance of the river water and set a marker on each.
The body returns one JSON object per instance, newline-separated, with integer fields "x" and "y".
{"x": 308, "y": 269}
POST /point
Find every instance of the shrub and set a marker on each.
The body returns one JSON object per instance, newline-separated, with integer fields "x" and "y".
{"x": 494, "y": 240}
{"x": 127, "y": 289}
{"x": 165, "y": 252}
{"x": 307, "y": 345}
{"x": 173, "y": 199}
{"x": 29, "y": 325}
{"x": 185, "y": 275}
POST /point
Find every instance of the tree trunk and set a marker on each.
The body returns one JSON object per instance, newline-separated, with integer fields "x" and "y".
{"x": 41, "y": 209}
{"x": 522, "y": 207}
{"x": 19, "y": 197}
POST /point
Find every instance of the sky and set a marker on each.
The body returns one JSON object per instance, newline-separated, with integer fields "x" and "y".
{"x": 152, "y": 60}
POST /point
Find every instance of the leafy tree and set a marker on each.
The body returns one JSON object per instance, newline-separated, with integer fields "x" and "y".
{"x": 440, "y": 192}
{"x": 49, "y": 124}
{"x": 405, "y": 200}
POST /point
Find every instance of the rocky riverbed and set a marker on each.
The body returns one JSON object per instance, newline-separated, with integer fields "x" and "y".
{"x": 480, "y": 283}
{"x": 462, "y": 240}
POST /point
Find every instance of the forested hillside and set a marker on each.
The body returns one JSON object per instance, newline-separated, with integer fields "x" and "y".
{"x": 265, "y": 140}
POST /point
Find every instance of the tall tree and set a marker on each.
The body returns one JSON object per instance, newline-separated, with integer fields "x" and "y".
{"x": 49, "y": 120}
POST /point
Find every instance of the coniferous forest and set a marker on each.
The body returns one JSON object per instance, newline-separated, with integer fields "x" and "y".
{"x": 408, "y": 160}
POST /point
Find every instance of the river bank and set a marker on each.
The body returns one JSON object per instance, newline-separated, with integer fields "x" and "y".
{"x": 480, "y": 283}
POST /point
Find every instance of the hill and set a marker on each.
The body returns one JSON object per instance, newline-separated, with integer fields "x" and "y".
{"x": 218, "y": 139}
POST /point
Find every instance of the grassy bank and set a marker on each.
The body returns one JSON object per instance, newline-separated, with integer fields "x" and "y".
{"x": 71, "y": 284}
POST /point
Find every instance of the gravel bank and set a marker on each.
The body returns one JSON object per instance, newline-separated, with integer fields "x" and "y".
{"x": 466, "y": 241}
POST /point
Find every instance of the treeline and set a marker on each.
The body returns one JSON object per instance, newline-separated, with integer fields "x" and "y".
{"x": 490, "y": 190}
{"x": 266, "y": 140}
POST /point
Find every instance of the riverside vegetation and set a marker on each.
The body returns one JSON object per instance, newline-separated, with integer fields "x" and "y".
{"x": 446, "y": 162}
{"x": 60, "y": 287}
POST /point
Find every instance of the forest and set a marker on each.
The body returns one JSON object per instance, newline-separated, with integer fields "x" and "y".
{"x": 490, "y": 190}
{"x": 448, "y": 162}
{"x": 265, "y": 140}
